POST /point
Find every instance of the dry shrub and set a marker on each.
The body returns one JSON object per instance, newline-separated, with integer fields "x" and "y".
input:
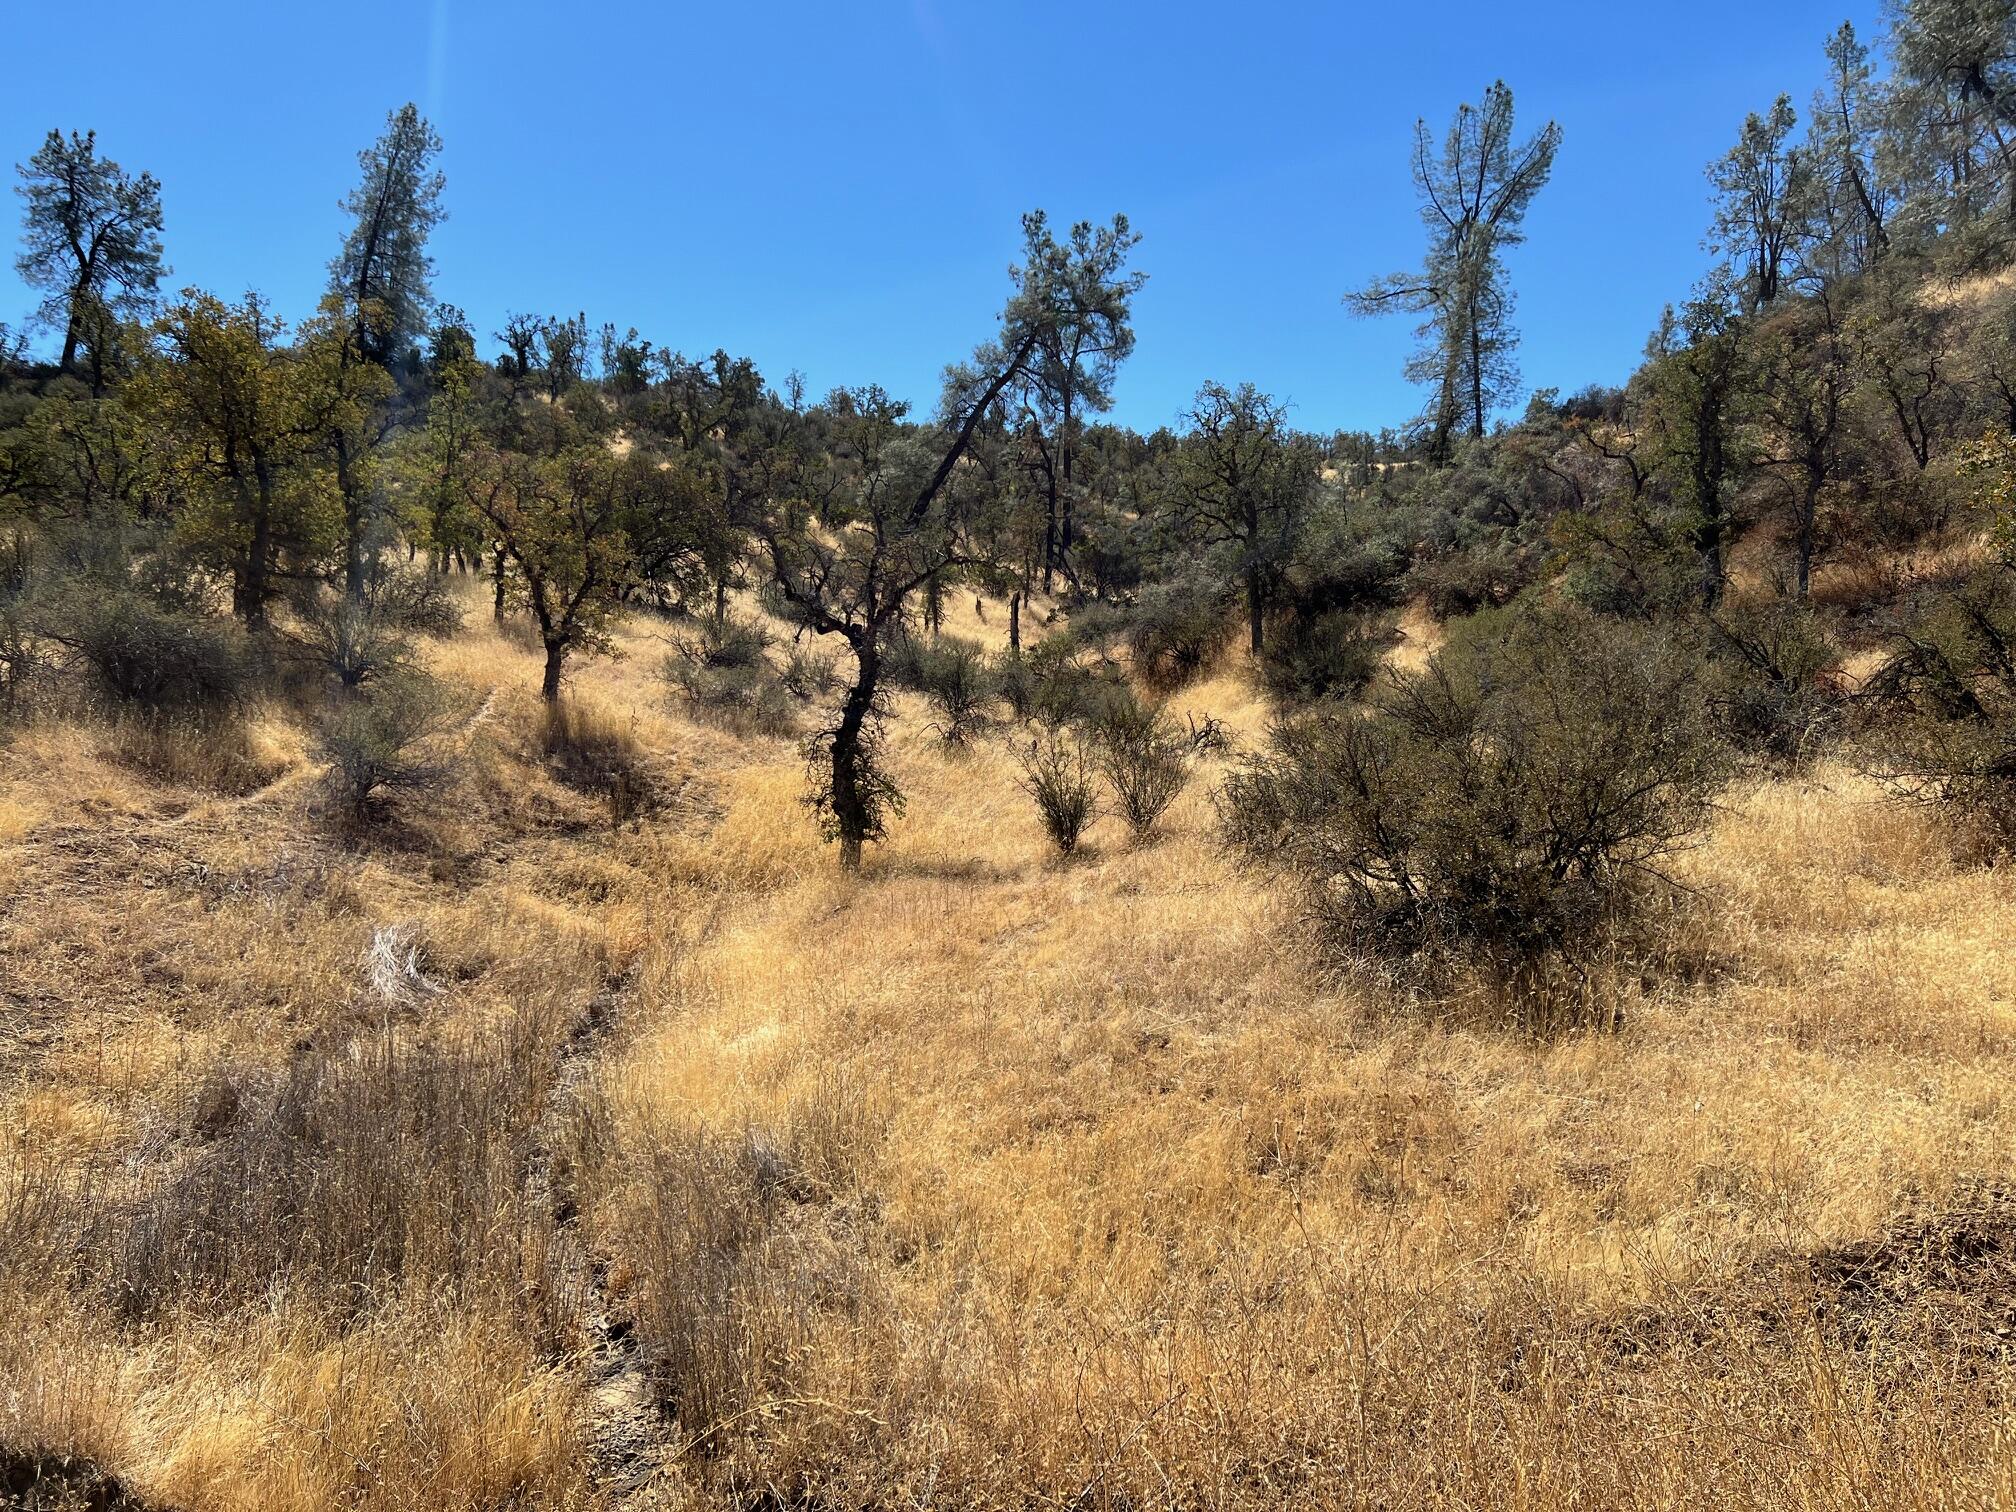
{"x": 1176, "y": 628}
{"x": 138, "y": 651}
{"x": 1772, "y": 694}
{"x": 1057, "y": 772}
{"x": 721, "y": 671}
{"x": 1327, "y": 655}
{"x": 388, "y": 737}
{"x": 954, "y": 675}
{"x": 1145, "y": 758}
{"x": 810, "y": 673}
{"x": 1942, "y": 726}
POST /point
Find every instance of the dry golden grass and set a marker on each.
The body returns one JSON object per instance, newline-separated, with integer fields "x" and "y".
{"x": 987, "y": 1178}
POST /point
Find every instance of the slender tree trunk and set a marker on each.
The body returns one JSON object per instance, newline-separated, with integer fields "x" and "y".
{"x": 721, "y": 599}
{"x": 353, "y": 522}
{"x": 72, "y": 331}
{"x": 1066, "y": 536}
{"x": 250, "y": 586}
{"x": 556, "y": 657}
{"x": 1015, "y": 623}
{"x": 1476, "y": 378}
{"x": 1809, "y": 510}
{"x": 497, "y": 580}
{"x": 851, "y": 814}
{"x": 1049, "y": 529}
{"x": 1255, "y": 608}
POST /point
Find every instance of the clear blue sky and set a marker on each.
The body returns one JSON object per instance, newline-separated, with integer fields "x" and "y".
{"x": 836, "y": 187}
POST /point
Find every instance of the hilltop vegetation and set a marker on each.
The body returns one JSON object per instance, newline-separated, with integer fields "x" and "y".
{"x": 586, "y": 929}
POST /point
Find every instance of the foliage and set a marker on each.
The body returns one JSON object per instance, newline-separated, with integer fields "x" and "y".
{"x": 1772, "y": 694}
{"x": 1329, "y": 655}
{"x": 954, "y": 675}
{"x": 1175, "y": 629}
{"x": 1945, "y": 706}
{"x": 142, "y": 651}
{"x": 92, "y": 242}
{"x": 810, "y": 674}
{"x": 1244, "y": 482}
{"x": 387, "y": 738}
{"x": 722, "y": 671}
{"x": 1474, "y": 196}
{"x": 381, "y": 275}
{"x": 1510, "y": 803}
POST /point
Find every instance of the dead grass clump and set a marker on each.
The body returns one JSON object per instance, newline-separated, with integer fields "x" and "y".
{"x": 733, "y": 1252}
{"x": 360, "y": 1167}
{"x": 38, "y": 1481}
{"x": 221, "y": 753}
{"x": 1942, "y": 1274}
{"x": 594, "y": 751}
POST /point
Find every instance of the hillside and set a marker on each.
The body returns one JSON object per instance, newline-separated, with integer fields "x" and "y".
{"x": 677, "y": 1162}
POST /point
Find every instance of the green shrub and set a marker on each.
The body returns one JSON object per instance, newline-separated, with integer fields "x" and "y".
{"x": 1053, "y": 684}
{"x": 140, "y": 652}
{"x": 1332, "y": 655}
{"x": 1175, "y": 629}
{"x": 1058, "y": 774}
{"x": 723, "y": 674}
{"x": 955, "y": 676}
{"x": 385, "y": 738}
{"x": 416, "y": 602}
{"x": 810, "y": 673}
{"x": 1941, "y": 712}
{"x": 1509, "y": 804}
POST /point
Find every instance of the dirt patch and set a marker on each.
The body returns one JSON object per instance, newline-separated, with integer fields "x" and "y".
{"x": 1941, "y": 1277}
{"x": 1942, "y": 1274}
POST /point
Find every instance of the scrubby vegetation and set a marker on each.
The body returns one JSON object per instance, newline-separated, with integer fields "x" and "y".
{"x": 1456, "y": 966}
{"x": 1512, "y": 804}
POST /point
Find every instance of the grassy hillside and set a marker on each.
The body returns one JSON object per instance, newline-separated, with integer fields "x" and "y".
{"x": 496, "y": 1155}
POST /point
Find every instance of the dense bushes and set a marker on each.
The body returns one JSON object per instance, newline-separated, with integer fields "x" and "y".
{"x": 1176, "y": 628}
{"x": 1943, "y": 727}
{"x": 1507, "y": 806}
{"x": 385, "y": 739}
{"x": 723, "y": 673}
{"x": 1328, "y": 655}
{"x": 1769, "y": 663}
{"x": 147, "y": 654}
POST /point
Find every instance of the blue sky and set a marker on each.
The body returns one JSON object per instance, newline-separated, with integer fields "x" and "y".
{"x": 836, "y": 187}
